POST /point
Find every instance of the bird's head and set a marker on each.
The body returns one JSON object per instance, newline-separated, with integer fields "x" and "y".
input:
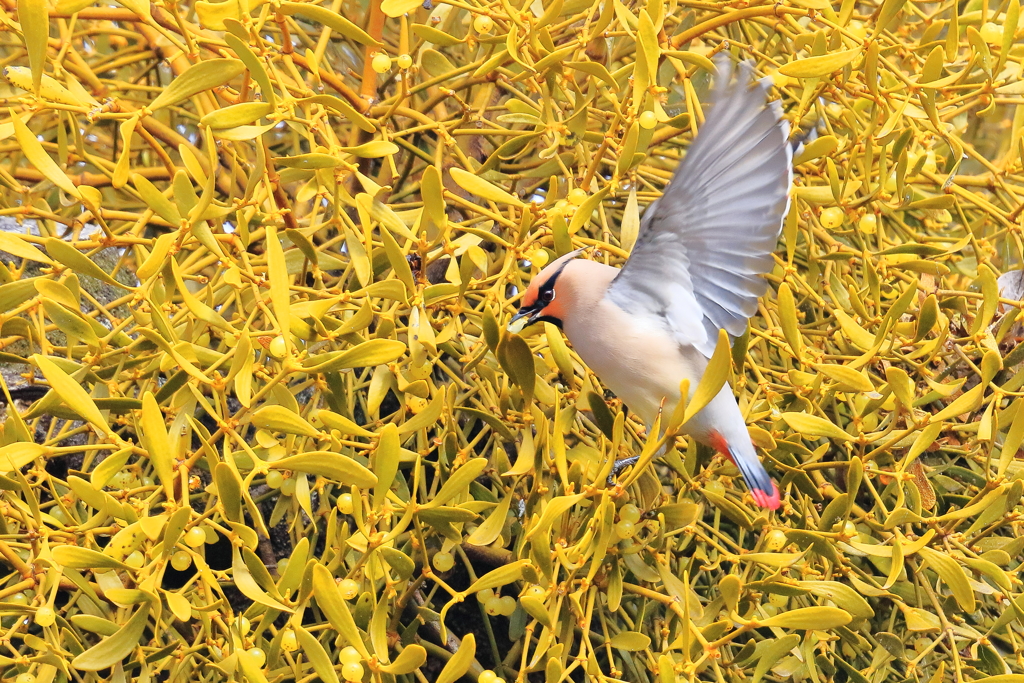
{"x": 541, "y": 302}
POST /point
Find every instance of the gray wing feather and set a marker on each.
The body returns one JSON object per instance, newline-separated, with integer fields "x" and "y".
{"x": 705, "y": 245}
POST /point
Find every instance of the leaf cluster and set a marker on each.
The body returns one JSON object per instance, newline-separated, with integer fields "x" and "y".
{"x": 264, "y": 422}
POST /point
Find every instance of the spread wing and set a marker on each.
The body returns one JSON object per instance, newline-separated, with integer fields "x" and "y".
{"x": 705, "y": 245}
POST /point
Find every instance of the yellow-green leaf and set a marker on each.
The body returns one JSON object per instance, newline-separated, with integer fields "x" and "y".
{"x": 860, "y": 337}
{"x": 372, "y": 150}
{"x": 536, "y": 608}
{"x": 456, "y": 667}
{"x": 410, "y": 659}
{"x": 112, "y": 650}
{"x": 923, "y": 621}
{"x": 342, "y": 423}
{"x": 554, "y": 509}
{"x": 332, "y": 20}
{"x": 50, "y": 89}
{"x": 317, "y": 655}
{"x": 198, "y": 309}
{"x": 277, "y": 418}
{"x": 155, "y": 261}
{"x": 889, "y": 10}
{"x": 250, "y": 670}
{"x": 484, "y": 189}
{"x": 713, "y": 379}
{"x": 965, "y": 403}
{"x": 815, "y": 67}
{"x": 630, "y": 226}
{"x": 158, "y": 445}
{"x": 458, "y": 482}
{"x": 489, "y": 531}
{"x": 953, "y": 575}
{"x": 847, "y": 378}
{"x": 34, "y": 17}
{"x": 205, "y": 75}
{"x": 770, "y": 651}
{"x": 814, "y": 426}
{"x": 425, "y": 418}
{"x": 401, "y": 563}
{"x": 787, "y": 318}
{"x": 365, "y": 355}
{"x": 110, "y": 466}
{"x": 328, "y": 597}
{"x": 78, "y": 262}
{"x": 37, "y": 156}
{"x": 179, "y": 605}
{"x": 229, "y": 490}
{"x": 809, "y": 618}
{"x": 71, "y": 393}
{"x": 161, "y": 206}
{"x": 498, "y": 577}
{"x": 820, "y": 147}
{"x": 385, "y": 460}
{"x": 334, "y": 466}
{"x": 83, "y": 558}
{"x": 631, "y": 641}
{"x": 517, "y": 359}
{"x": 236, "y": 115}
{"x": 70, "y": 323}
{"x": 396, "y": 8}
{"x": 243, "y": 133}
{"x": 845, "y": 597}
{"x": 245, "y": 582}
{"x": 587, "y": 209}
{"x": 14, "y": 244}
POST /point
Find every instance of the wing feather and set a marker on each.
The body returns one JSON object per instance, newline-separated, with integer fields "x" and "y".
{"x": 705, "y": 245}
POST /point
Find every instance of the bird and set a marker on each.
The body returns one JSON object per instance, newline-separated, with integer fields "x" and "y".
{"x": 697, "y": 267}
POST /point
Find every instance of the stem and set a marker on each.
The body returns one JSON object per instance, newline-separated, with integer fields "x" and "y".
{"x": 374, "y": 27}
{"x": 725, "y": 19}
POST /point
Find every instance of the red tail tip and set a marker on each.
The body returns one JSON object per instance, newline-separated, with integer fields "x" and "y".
{"x": 766, "y": 500}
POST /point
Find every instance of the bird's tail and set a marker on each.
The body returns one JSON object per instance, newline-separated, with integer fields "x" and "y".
{"x": 764, "y": 490}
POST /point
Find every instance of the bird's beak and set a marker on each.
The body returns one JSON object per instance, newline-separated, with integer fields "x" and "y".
{"x": 524, "y": 318}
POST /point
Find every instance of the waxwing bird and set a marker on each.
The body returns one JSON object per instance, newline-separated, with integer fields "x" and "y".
{"x": 697, "y": 267}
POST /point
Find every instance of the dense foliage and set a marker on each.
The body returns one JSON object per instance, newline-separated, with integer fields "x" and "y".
{"x": 264, "y": 422}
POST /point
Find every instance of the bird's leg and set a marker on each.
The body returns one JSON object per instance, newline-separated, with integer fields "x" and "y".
{"x": 620, "y": 465}
{"x": 623, "y": 463}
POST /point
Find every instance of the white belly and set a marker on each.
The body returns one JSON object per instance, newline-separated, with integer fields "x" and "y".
{"x": 636, "y": 358}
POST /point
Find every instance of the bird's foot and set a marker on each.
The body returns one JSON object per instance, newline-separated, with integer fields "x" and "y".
{"x": 620, "y": 465}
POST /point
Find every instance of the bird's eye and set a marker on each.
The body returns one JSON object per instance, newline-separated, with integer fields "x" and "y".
{"x": 547, "y": 295}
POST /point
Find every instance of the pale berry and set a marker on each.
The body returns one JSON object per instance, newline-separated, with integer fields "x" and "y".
{"x": 181, "y": 560}
{"x": 629, "y": 513}
{"x": 349, "y": 589}
{"x": 195, "y": 537}
{"x": 345, "y": 505}
{"x": 45, "y": 616}
{"x": 278, "y": 347}
{"x": 381, "y": 63}
{"x": 352, "y": 671}
{"x": 483, "y": 23}
{"x": 443, "y": 562}
{"x": 831, "y": 218}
